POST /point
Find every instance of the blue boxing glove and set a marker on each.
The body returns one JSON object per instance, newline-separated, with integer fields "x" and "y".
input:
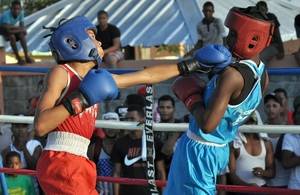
{"x": 210, "y": 58}
{"x": 213, "y": 56}
{"x": 97, "y": 86}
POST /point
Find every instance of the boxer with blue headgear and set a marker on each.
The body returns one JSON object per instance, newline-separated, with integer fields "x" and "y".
{"x": 68, "y": 107}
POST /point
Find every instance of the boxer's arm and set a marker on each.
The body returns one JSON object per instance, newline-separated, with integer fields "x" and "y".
{"x": 48, "y": 116}
{"x": 230, "y": 81}
{"x": 150, "y": 75}
{"x": 212, "y": 57}
{"x": 266, "y": 84}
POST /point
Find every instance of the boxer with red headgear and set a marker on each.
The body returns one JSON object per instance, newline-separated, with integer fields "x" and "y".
{"x": 68, "y": 106}
{"x": 219, "y": 107}
{"x": 245, "y": 39}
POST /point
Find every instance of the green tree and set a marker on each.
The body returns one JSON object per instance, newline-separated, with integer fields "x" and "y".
{"x": 33, "y": 6}
{"x": 30, "y": 6}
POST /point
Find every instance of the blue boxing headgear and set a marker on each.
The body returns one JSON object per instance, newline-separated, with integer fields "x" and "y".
{"x": 70, "y": 41}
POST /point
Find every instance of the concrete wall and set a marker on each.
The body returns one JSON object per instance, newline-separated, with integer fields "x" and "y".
{"x": 18, "y": 89}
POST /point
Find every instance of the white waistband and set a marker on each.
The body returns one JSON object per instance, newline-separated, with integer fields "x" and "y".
{"x": 200, "y": 140}
{"x": 67, "y": 142}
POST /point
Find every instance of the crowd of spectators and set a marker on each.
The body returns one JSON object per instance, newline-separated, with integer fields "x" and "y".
{"x": 274, "y": 157}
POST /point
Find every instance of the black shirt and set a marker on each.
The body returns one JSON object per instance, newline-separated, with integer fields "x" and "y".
{"x": 107, "y": 36}
{"x": 125, "y": 147}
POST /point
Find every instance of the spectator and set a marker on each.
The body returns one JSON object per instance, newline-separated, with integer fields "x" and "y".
{"x": 297, "y": 25}
{"x": 273, "y": 110}
{"x": 276, "y": 46}
{"x": 28, "y": 149}
{"x": 131, "y": 99}
{"x": 109, "y": 36}
{"x": 286, "y": 114}
{"x": 17, "y": 184}
{"x": 135, "y": 99}
{"x": 105, "y": 165}
{"x": 250, "y": 147}
{"x": 126, "y": 156}
{"x": 210, "y": 29}
{"x": 166, "y": 109}
{"x": 5, "y": 135}
{"x": 12, "y": 28}
{"x": 297, "y": 29}
{"x": 291, "y": 150}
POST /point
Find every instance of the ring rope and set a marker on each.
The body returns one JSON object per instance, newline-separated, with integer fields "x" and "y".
{"x": 163, "y": 126}
{"x": 159, "y": 183}
{"x": 36, "y": 69}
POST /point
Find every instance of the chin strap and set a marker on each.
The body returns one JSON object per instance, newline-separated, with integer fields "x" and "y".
{"x": 94, "y": 53}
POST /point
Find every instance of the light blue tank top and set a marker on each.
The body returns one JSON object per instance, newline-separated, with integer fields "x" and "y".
{"x": 234, "y": 115}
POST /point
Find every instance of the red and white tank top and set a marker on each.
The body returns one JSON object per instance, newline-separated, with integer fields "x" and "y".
{"x": 82, "y": 124}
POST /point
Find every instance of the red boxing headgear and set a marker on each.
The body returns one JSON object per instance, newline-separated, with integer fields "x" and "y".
{"x": 252, "y": 34}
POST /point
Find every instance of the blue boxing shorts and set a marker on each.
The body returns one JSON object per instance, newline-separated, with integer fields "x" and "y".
{"x": 195, "y": 166}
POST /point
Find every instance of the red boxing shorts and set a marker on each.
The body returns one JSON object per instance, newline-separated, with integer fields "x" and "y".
{"x": 62, "y": 173}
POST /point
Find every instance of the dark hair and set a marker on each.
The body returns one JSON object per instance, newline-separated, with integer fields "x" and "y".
{"x": 208, "y": 4}
{"x": 138, "y": 108}
{"x": 297, "y": 25}
{"x": 281, "y": 90}
{"x": 15, "y": 3}
{"x": 102, "y": 12}
{"x": 135, "y": 99}
{"x": 297, "y": 20}
{"x": 11, "y": 154}
{"x": 19, "y": 125}
{"x": 261, "y": 3}
{"x": 167, "y": 98}
{"x": 272, "y": 96}
{"x": 254, "y": 12}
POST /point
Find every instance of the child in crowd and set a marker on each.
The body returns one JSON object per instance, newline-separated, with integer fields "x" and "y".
{"x": 17, "y": 184}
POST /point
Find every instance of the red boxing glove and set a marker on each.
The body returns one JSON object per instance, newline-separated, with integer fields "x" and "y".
{"x": 189, "y": 89}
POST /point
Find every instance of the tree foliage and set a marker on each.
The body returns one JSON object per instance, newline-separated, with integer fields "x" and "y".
{"x": 30, "y": 6}
{"x": 33, "y": 6}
